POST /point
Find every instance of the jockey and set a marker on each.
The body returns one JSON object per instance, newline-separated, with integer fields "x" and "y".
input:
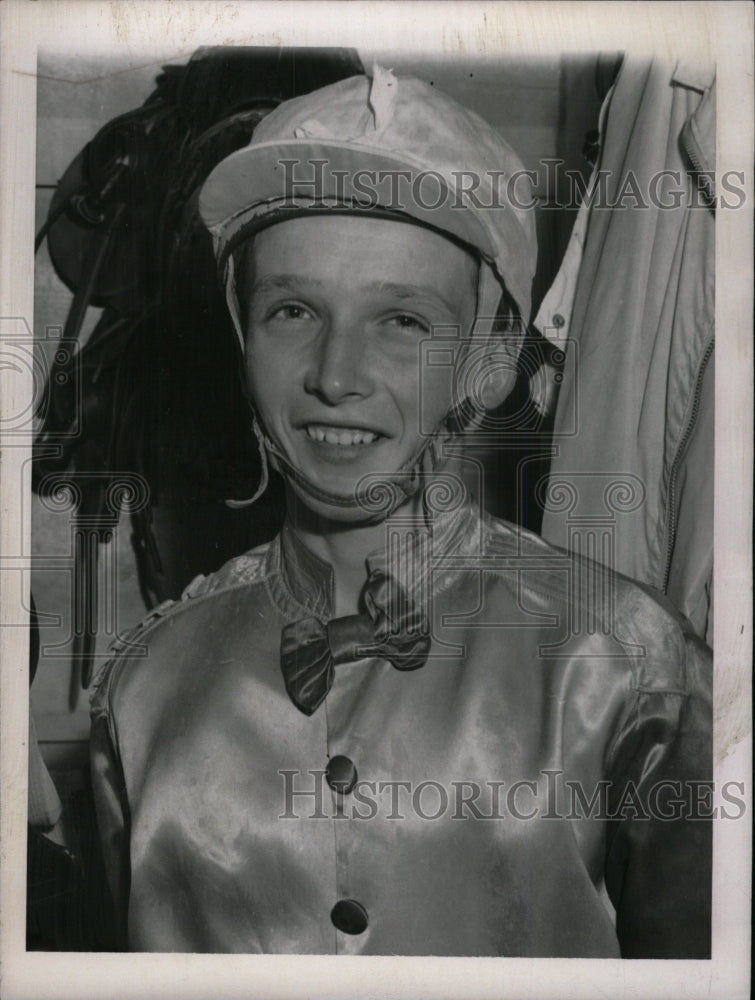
{"x": 402, "y": 726}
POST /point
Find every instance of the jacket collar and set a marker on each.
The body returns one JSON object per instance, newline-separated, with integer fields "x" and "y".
{"x": 305, "y": 582}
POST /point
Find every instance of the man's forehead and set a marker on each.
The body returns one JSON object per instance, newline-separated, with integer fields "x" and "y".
{"x": 367, "y": 225}
{"x": 314, "y": 245}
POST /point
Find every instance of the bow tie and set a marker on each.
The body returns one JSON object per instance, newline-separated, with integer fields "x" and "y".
{"x": 390, "y": 628}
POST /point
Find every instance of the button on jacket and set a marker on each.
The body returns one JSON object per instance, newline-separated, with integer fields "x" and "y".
{"x": 513, "y": 796}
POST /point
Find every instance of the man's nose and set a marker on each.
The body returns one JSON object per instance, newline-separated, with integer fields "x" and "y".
{"x": 339, "y": 366}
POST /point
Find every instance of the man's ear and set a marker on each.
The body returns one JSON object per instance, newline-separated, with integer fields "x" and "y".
{"x": 499, "y": 372}
{"x": 485, "y": 374}
{"x": 496, "y": 388}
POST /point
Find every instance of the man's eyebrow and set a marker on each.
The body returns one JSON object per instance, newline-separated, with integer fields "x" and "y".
{"x": 284, "y": 283}
{"x": 297, "y": 282}
{"x": 408, "y": 292}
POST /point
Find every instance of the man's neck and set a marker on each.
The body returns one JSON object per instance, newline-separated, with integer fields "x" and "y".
{"x": 343, "y": 545}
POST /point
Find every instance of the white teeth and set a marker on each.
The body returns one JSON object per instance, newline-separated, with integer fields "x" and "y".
{"x": 342, "y": 437}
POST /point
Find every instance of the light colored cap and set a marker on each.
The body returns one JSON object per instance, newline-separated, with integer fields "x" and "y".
{"x": 391, "y": 145}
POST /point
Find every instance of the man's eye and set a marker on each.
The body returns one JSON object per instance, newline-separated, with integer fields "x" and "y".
{"x": 291, "y": 311}
{"x": 406, "y": 322}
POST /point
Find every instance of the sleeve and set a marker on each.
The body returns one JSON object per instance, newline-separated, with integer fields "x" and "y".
{"x": 659, "y": 846}
{"x": 111, "y": 807}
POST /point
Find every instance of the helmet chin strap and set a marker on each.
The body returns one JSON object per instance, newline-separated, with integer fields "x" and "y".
{"x": 377, "y": 499}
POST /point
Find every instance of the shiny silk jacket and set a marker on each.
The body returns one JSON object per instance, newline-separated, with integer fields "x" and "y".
{"x": 514, "y": 796}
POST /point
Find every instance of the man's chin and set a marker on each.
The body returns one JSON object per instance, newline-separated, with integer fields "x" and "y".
{"x": 341, "y": 508}
{"x": 363, "y": 499}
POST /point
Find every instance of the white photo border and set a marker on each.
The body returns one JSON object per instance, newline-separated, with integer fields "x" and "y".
{"x": 161, "y": 32}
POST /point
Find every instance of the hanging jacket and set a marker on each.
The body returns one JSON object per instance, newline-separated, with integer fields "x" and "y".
{"x": 634, "y": 423}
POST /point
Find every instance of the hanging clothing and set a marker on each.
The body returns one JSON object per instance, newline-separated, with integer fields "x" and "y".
{"x": 634, "y": 421}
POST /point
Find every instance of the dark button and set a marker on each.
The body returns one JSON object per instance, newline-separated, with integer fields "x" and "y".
{"x": 349, "y": 916}
{"x": 558, "y": 319}
{"x": 341, "y": 774}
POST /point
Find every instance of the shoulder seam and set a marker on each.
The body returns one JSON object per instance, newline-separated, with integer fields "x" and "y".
{"x": 121, "y": 646}
{"x": 534, "y": 547}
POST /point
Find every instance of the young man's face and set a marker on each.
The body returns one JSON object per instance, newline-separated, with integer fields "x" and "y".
{"x": 335, "y": 311}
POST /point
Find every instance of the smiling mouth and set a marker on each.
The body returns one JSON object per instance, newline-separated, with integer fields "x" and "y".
{"x": 344, "y": 437}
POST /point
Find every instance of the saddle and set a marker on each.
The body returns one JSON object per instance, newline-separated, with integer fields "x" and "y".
{"x": 147, "y": 415}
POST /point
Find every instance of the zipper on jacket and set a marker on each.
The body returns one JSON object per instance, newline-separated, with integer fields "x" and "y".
{"x": 700, "y": 173}
{"x": 671, "y": 515}
{"x": 701, "y": 170}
